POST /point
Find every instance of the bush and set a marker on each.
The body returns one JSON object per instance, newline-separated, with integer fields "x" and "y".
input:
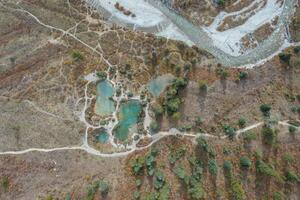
{"x": 245, "y": 162}
{"x": 242, "y": 122}
{"x": 159, "y": 180}
{"x": 297, "y": 49}
{"x": 243, "y": 75}
{"x": 137, "y": 166}
{"x": 103, "y": 187}
{"x": 179, "y": 171}
{"x": 265, "y": 109}
{"x": 278, "y": 196}
{"x": 174, "y": 156}
{"x": 291, "y": 177}
{"x": 154, "y": 127}
{"x": 229, "y": 131}
{"x": 298, "y": 97}
{"x": 237, "y": 191}
{"x": 164, "y": 193}
{"x": 292, "y": 130}
{"x": 49, "y": 197}
{"x": 267, "y": 169}
{"x": 213, "y": 167}
{"x": 158, "y": 110}
{"x": 150, "y": 163}
{"x": 138, "y": 182}
{"x": 202, "y": 85}
{"x": 285, "y": 57}
{"x": 76, "y": 55}
{"x": 196, "y": 192}
{"x": 68, "y": 197}
{"x": 136, "y": 195}
{"x": 222, "y": 72}
{"x": 288, "y": 158}
{"x": 101, "y": 75}
{"x": 249, "y": 135}
{"x": 5, "y": 183}
{"x": 269, "y": 135}
{"x": 198, "y": 121}
{"x": 176, "y": 116}
{"x": 227, "y": 166}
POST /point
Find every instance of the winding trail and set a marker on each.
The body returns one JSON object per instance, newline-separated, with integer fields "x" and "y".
{"x": 156, "y": 138}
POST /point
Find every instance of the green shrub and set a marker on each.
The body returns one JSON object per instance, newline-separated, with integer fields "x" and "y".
{"x": 103, "y": 187}
{"x": 158, "y": 110}
{"x": 180, "y": 83}
{"x": 196, "y": 192}
{"x": 267, "y": 169}
{"x": 177, "y": 154}
{"x": 245, "y": 162}
{"x": 278, "y": 196}
{"x": 101, "y": 75}
{"x": 298, "y": 97}
{"x": 213, "y": 167}
{"x": 237, "y": 191}
{"x": 292, "y": 130}
{"x": 202, "y": 85}
{"x": 222, "y": 72}
{"x": 242, "y": 122}
{"x": 198, "y": 121}
{"x": 291, "y": 177}
{"x": 180, "y": 172}
{"x": 164, "y": 192}
{"x": 154, "y": 127}
{"x": 288, "y": 158}
{"x": 150, "y": 163}
{"x": 76, "y": 55}
{"x": 159, "y": 180}
{"x": 297, "y": 49}
{"x": 49, "y": 197}
{"x": 68, "y": 197}
{"x": 227, "y": 166}
{"x": 243, "y": 75}
{"x": 265, "y": 109}
{"x": 137, "y": 166}
{"x": 285, "y": 57}
{"x": 138, "y": 182}
{"x": 136, "y": 195}
{"x": 269, "y": 135}
{"x": 229, "y": 131}
{"x": 176, "y": 115}
{"x": 249, "y": 136}
{"x": 5, "y": 183}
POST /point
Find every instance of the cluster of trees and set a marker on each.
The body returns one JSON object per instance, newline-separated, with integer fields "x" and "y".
{"x": 172, "y": 101}
{"x": 148, "y": 163}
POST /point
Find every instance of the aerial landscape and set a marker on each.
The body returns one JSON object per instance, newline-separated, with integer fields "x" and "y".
{"x": 149, "y": 99}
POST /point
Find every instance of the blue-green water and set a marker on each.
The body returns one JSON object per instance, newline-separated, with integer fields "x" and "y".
{"x": 104, "y": 106}
{"x": 102, "y": 137}
{"x": 159, "y": 84}
{"x": 128, "y": 116}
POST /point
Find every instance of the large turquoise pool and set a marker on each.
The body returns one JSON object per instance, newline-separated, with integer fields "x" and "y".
{"x": 128, "y": 116}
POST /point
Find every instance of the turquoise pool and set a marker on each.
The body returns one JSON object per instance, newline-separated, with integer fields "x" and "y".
{"x": 128, "y": 116}
{"x": 159, "y": 84}
{"x": 104, "y": 106}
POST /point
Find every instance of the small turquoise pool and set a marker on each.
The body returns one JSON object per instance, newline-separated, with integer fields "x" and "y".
{"x": 159, "y": 84}
{"x": 104, "y": 106}
{"x": 102, "y": 137}
{"x": 128, "y": 116}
